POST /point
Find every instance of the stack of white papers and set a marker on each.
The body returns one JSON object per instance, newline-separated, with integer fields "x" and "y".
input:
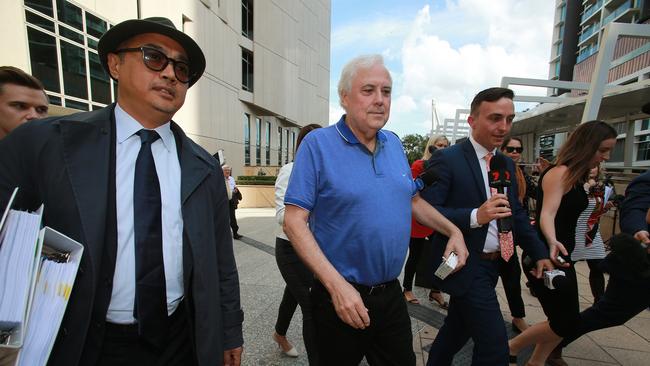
{"x": 51, "y": 295}
{"x": 18, "y": 253}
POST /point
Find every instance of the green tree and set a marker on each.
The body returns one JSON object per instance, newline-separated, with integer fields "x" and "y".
{"x": 414, "y": 145}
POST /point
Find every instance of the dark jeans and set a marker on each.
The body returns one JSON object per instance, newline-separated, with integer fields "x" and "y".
{"x": 233, "y": 219}
{"x": 596, "y": 279}
{"x": 510, "y": 274}
{"x": 298, "y": 279}
{"x": 475, "y": 314}
{"x": 123, "y": 347}
{"x": 387, "y": 341}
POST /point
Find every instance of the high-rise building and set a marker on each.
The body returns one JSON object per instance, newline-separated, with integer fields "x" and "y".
{"x": 578, "y": 31}
{"x": 578, "y": 35}
{"x": 267, "y": 68}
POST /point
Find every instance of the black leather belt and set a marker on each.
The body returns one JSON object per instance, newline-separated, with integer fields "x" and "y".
{"x": 491, "y": 256}
{"x": 374, "y": 289}
{"x": 363, "y": 289}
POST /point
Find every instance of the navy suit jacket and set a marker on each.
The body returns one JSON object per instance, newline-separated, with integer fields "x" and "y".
{"x": 636, "y": 204}
{"x": 63, "y": 162}
{"x": 459, "y": 190}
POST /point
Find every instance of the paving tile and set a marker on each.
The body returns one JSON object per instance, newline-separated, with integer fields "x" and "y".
{"x": 628, "y": 357}
{"x": 621, "y": 337}
{"x": 586, "y": 349}
{"x": 641, "y": 326}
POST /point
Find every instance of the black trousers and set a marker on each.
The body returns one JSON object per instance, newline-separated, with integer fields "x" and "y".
{"x": 299, "y": 280}
{"x": 123, "y": 347}
{"x": 233, "y": 219}
{"x": 623, "y": 300}
{"x": 415, "y": 250}
{"x": 596, "y": 279}
{"x": 510, "y": 273}
{"x": 387, "y": 341}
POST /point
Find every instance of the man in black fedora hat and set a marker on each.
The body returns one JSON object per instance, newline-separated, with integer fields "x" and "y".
{"x": 157, "y": 284}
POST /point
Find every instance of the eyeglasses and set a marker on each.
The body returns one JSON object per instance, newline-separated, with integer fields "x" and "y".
{"x": 512, "y": 149}
{"x": 157, "y": 61}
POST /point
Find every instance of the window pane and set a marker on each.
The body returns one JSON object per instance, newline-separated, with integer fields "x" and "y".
{"x": 268, "y": 143}
{"x": 258, "y": 138}
{"x": 279, "y": 145}
{"x": 69, "y": 14}
{"x": 71, "y": 35}
{"x": 54, "y": 100}
{"x": 247, "y": 70}
{"x": 42, "y": 54}
{"x": 247, "y": 140}
{"x": 95, "y": 26}
{"x": 44, "y": 6}
{"x": 99, "y": 82}
{"x": 74, "y": 70}
{"x": 39, "y": 21}
{"x": 92, "y": 43}
{"x": 76, "y": 105}
{"x": 617, "y": 153}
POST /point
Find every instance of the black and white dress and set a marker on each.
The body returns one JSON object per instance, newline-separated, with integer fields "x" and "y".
{"x": 588, "y": 241}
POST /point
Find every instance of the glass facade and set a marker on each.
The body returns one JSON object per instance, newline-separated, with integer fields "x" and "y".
{"x": 63, "y": 53}
{"x": 258, "y": 142}
{"x": 268, "y": 143}
{"x": 246, "y": 70}
{"x": 247, "y": 18}
{"x": 247, "y": 139}
{"x": 279, "y": 145}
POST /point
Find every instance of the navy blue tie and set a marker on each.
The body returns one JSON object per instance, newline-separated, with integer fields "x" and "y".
{"x": 150, "y": 290}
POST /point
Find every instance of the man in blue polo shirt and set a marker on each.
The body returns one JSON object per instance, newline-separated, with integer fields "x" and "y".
{"x": 348, "y": 212}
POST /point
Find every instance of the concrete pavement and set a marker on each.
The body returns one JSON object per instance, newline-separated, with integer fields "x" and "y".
{"x": 262, "y": 286}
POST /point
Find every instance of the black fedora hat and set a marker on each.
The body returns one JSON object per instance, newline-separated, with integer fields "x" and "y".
{"x": 119, "y": 33}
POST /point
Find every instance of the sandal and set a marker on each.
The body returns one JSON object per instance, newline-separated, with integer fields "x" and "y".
{"x": 413, "y": 300}
{"x": 440, "y": 300}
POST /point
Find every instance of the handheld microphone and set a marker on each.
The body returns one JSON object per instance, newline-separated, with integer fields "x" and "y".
{"x": 499, "y": 178}
{"x": 426, "y": 178}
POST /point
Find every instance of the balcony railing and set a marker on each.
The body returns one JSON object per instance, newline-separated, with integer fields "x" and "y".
{"x": 620, "y": 10}
{"x": 587, "y": 32}
{"x": 586, "y": 52}
{"x": 592, "y": 9}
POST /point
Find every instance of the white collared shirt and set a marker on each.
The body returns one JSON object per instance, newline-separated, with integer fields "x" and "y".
{"x": 492, "y": 238}
{"x": 120, "y": 309}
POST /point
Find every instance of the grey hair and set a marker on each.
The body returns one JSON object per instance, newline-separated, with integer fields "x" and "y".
{"x": 352, "y": 67}
{"x": 226, "y": 166}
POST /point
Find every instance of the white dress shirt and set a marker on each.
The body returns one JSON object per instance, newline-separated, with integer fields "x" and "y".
{"x": 120, "y": 309}
{"x": 492, "y": 238}
{"x": 281, "y": 183}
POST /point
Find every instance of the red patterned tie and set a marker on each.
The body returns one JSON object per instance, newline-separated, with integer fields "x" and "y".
{"x": 505, "y": 239}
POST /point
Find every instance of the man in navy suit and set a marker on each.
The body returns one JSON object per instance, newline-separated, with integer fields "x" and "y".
{"x": 463, "y": 195}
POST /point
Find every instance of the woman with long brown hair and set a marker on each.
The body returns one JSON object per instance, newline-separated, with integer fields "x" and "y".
{"x": 295, "y": 274}
{"x": 560, "y": 200}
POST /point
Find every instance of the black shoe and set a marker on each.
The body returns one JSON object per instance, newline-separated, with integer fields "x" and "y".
{"x": 237, "y": 236}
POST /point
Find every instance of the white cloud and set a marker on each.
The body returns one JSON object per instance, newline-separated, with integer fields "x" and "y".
{"x": 403, "y": 103}
{"x": 449, "y": 53}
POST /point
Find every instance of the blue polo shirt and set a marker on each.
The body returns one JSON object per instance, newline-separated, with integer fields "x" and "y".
{"x": 359, "y": 202}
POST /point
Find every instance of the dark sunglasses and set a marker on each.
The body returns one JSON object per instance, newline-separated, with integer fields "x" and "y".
{"x": 157, "y": 61}
{"x": 512, "y": 149}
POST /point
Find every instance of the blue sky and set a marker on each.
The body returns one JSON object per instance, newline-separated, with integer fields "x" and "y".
{"x": 446, "y": 50}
